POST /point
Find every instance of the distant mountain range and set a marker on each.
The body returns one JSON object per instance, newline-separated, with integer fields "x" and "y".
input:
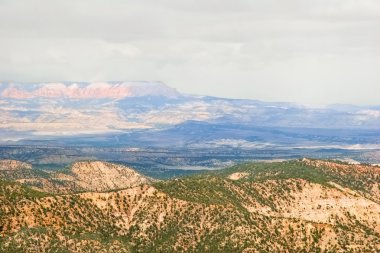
{"x": 97, "y": 90}
{"x": 129, "y": 112}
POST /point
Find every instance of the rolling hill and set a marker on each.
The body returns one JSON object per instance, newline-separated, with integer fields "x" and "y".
{"x": 301, "y": 205}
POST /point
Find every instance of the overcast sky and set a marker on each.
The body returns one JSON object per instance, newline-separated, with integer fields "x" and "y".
{"x": 306, "y": 51}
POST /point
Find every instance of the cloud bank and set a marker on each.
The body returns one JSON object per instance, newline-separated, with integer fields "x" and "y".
{"x": 311, "y": 52}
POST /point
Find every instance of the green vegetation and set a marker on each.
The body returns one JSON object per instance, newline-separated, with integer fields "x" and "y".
{"x": 209, "y": 212}
{"x": 216, "y": 188}
{"x": 14, "y": 192}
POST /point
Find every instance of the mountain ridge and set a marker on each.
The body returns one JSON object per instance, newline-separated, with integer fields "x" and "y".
{"x": 292, "y": 206}
{"x": 80, "y": 176}
{"x": 169, "y": 118}
{"x": 8, "y": 164}
{"x": 82, "y": 90}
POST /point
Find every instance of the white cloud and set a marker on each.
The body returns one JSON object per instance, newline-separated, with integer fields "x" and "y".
{"x": 309, "y": 51}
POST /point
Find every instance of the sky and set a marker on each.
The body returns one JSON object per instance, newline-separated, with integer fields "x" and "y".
{"x": 304, "y": 51}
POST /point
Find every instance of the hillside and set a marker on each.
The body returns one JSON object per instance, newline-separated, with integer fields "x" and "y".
{"x": 21, "y": 172}
{"x": 100, "y": 176}
{"x": 12, "y": 165}
{"x": 294, "y": 206}
{"x": 78, "y": 177}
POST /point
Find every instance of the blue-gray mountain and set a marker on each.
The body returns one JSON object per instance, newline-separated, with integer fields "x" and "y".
{"x": 151, "y": 114}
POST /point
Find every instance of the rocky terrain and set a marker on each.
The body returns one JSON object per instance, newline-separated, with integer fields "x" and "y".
{"x": 100, "y": 176}
{"x": 293, "y": 206}
{"x": 7, "y": 165}
{"x": 78, "y": 177}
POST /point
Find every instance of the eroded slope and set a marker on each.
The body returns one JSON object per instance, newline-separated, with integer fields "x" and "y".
{"x": 280, "y": 207}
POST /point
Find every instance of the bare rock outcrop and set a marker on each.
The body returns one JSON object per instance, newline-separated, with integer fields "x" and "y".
{"x": 102, "y": 176}
{"x": 14, "y": 165}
